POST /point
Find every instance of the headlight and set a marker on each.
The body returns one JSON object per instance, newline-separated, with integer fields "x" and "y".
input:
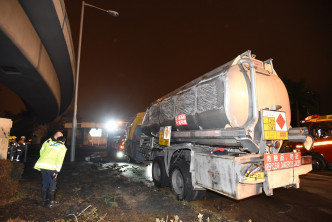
{"x": 309, "y": 141}
{"x": 119, "y": 155}
{"x": 111, "y": 126}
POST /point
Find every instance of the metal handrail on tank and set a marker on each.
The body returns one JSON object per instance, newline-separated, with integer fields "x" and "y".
{"x": 254, "y": 116}
{"x": 269, "y": 61}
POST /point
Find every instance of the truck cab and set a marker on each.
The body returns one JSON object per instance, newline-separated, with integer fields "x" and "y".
{"x": 320, "y": 128}
{"x": 133, "y": 134}
{"x": 115, "y": 147}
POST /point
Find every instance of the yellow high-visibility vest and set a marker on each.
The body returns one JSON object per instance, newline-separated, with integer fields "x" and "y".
{"x": 52, "y": 155}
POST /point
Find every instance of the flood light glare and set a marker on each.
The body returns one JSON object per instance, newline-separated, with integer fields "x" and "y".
{"x": 111, "y": 126}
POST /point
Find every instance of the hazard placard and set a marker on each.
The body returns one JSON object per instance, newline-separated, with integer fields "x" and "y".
{"x": 165, "y": 136}
{"x": 274, "y": 125}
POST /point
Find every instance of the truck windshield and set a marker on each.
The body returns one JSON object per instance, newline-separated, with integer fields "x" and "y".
{"x": 322, "y": 132}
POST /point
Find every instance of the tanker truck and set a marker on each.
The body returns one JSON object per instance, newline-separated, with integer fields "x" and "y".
{"x": 222, "y": 132}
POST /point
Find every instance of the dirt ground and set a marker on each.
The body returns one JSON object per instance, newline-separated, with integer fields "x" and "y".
{"x": 101, "y": 190}
{"x": 88, "y": 192}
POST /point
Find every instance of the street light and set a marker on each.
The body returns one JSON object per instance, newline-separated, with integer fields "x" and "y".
{"x": 74, "y": 126}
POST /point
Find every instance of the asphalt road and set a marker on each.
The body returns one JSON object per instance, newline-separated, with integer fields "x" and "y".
{"x": 311, "y": 202}
{"x": 319, "y": 184}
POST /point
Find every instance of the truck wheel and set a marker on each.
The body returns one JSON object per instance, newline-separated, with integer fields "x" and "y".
{"x": 329, "y": 167}
{"x": 318, "y": 163}
{"x": 128, "y": 153}
{"x": 159, "y": 174}
{"x": 181, "y": 182}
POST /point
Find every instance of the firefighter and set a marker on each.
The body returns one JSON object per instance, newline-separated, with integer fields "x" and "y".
{"x": 20, "y": 148}
{"x": 12, "y": 147}
{"x": 52, "y": 154}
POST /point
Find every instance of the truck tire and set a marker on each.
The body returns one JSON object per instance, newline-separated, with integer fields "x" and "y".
{"x": 329, "y": 166}
{"x": 181, "y": 184}
{"x": 159, "y": 174}
{"x": 318, "y": 162}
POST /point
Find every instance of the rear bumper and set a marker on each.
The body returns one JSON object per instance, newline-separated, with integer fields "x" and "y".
{"x": 225, "y": 175}
{"x": 284, "y": 178}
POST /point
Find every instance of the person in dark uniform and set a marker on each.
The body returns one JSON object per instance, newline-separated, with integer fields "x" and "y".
{"x": 21, "y": 147}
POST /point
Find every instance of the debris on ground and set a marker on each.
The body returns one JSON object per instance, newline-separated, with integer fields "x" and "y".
{"x": 93, "y": 191}
{"x": 93, "y": 158}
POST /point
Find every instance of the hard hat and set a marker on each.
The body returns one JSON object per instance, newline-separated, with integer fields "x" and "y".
{"x": 14, "y": 137}
{"x": 10, "y": 137}
{"x": 22, "y": 137}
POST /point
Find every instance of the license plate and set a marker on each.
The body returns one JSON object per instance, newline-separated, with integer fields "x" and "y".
{"x": 280, "y": 161}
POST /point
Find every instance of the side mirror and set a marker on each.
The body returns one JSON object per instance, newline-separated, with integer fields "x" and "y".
{"x": 309, "y": 141}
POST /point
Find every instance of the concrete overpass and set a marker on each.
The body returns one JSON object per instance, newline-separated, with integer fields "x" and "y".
{"x": 37, "y": 54}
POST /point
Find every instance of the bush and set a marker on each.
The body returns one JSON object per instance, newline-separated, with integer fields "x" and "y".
{"x": 10, "y": 174}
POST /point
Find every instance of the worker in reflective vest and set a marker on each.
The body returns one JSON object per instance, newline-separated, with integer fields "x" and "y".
{"x": 51, "y": 158}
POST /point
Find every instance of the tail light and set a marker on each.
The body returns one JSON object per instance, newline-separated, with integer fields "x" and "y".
{"x": 306, "y": 160}
{"x": 121, "y": 146}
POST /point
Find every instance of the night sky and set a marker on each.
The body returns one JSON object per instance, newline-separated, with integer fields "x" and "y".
{"x": 156, "y": 46}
